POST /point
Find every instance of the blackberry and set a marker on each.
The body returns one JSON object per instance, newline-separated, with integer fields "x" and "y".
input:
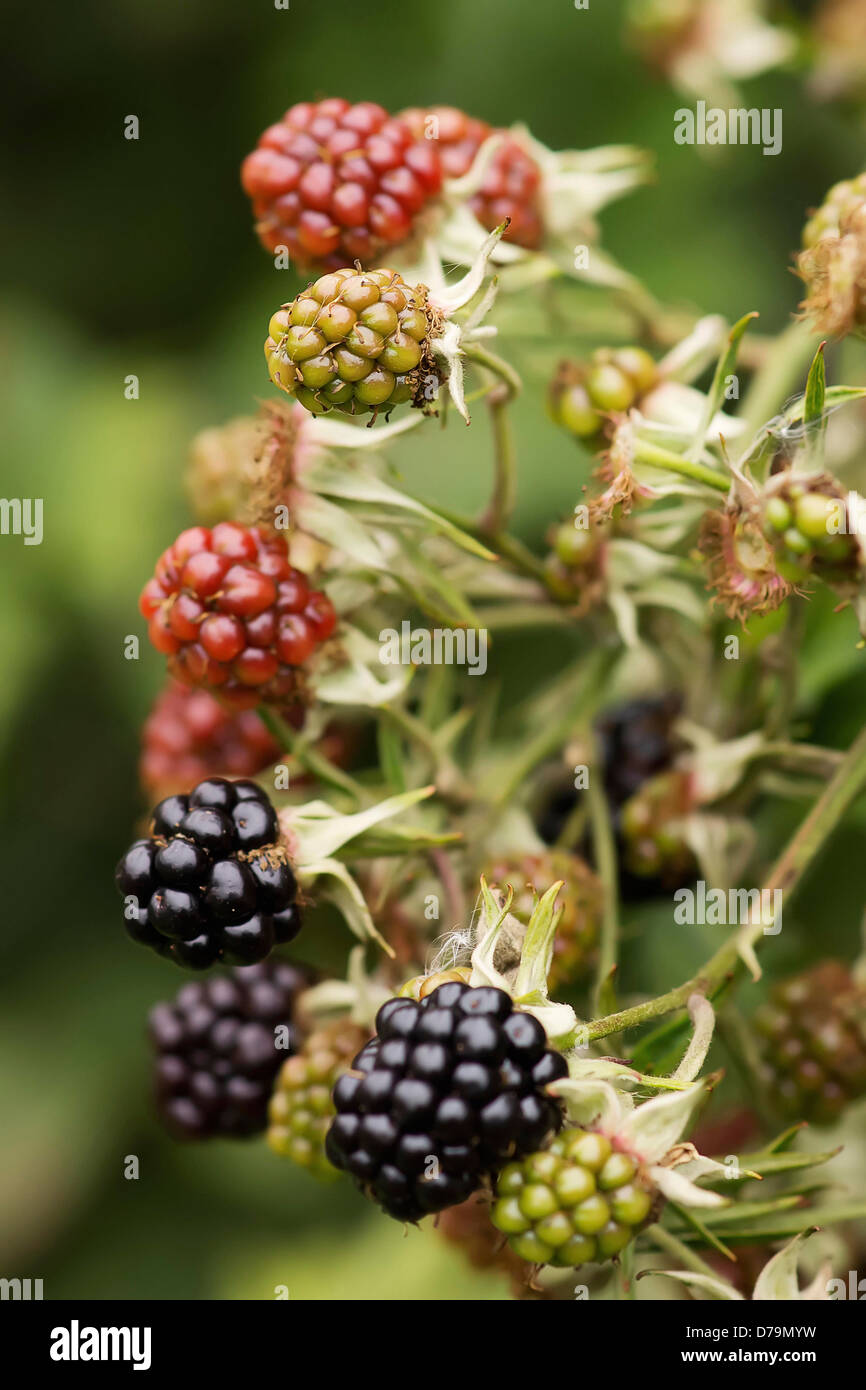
{"x": 808, "y": 526}
{"x": 583, "y": 394}
{"x": 635, "y": 742}
{"x": 469, "y": 1228}
{"x": 212, "y": 880}
{"x": 814, "y": 1038}
{"x": 449, "y": 1088}
{"x": 230, "y": 613}
{"x": 355, "y": 342}
{"x": 530, "y": 875}
{"x": 301, "y": 1108}
{"x": 833, "y": 261}
{"x": 188, "y": 736}
{"x": 652, "y": 845}
{"x": 335, "y": 182}
{"x": 511, "y": 188}
{"x": 579, "y": 1200}
{"x": 217, "y": 1051}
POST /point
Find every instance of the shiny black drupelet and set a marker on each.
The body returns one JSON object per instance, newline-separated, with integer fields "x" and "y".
{"x": 211, "y": 881}
{"x": 449, "y": 1090}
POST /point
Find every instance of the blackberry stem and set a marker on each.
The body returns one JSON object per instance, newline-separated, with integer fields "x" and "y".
{"x": 656, "y": 457}
{"x": 310, "y": 759}
{"x": 786, "y": 875}
{"x": 604, "y": 851}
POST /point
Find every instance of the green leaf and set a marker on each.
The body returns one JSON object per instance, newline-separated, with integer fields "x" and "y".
{"x": 813, "y": 408}
{"x": 716, "y": 394}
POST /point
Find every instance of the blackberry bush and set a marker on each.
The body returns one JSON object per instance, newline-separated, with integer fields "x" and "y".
{"x": 336, "y": 182}
{"x": 219, "y": 1045}
{"x": 814, "y": 1036}
{"x": 449, "y": 1088}
{"x": 301, "y": 1108}
{"x": 230, "y": 613}
{"x": 579, "y": 1200}
{"x": 211, "y": 881}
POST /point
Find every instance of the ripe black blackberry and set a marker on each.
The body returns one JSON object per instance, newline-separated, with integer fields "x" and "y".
{"x": 448, "y": 1090}
{"x": 212, "y": 880}
{"x": 635, "y": 743}
{"x": 218, "y": 1049}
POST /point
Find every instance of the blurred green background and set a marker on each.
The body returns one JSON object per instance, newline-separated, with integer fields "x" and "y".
{"x": 138, "y": 257}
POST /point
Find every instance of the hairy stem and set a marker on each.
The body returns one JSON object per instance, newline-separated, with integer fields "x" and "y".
{"x": 656, "y": 457}
{"x": 785, "y": 876}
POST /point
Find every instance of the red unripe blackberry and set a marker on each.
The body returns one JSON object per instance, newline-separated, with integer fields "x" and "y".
{"x": 814, "y": 1032}
{"x": 335, "y": 183}
{"x": 450, "y": 1087}
{"x": 189, "y": 736}
{"x": 511, "y": 188}
{"x": 354, "y": 341}
{"x": 219, "y": 1045}
{"x": 230, "y": 612}
{"x": 530, "y": 875}
{"x": 212, "y": 881}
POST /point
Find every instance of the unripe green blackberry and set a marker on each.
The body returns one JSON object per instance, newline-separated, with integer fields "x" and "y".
{"x": 833, "y": 261}
{"x": 356, "y": 342}
{"x": 814, "y": 1034}
{"x": 613, "y": 380}
{"x": 530, "y": 875}
{"x": 840, "y": 201}
{"x": 807, "y": 523}
{"x": 577, "y": 1201}
{"x": 653, "y": 846}
{"x": 301, "y": 1108}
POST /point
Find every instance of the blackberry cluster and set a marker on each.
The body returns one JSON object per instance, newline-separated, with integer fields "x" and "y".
{"x": 814, "y": 1035}
{"x": 511, "y": 188}
{"x": 230, "y": 613}
{"x": 449, "y": 1089}
{"x": 335, "y": 182}
{"x": 583, "y": 394}
{"x": 301, "y": 1109}
{"x": 353, "y": 341}
{"x": 211, "y": 881}
{"x": 530, "y": 875}
{"x": 217, "y": 1051}
{"x": 809, "y": 529}
{"x": 188, "y": 736}
{"x": 580, "y": 1200}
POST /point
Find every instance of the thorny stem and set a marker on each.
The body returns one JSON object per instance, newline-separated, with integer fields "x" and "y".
{"x": 656, "y": 457}
{"x": 310, "y": 759}
{"x": 785, "y": 876}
